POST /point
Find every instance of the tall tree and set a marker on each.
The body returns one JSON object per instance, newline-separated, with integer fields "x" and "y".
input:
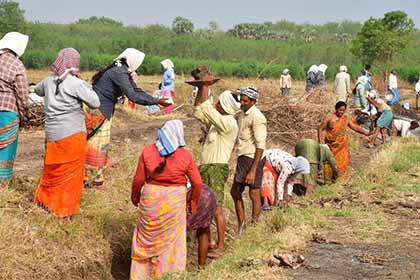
{"x": 12, "y": 17}
{"x": 181, "y": 25}
{"x": 380, "y": 40}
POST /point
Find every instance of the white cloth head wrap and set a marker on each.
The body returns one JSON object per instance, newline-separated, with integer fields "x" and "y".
{"x": 323, "y": 68}
{"x": 252, "y": 92}
{"x": 15, "y": 42}
{"x": 285, "y": 71}
{"x": 343, "y": 68}
{"x": 229, "y": 103}
{"x": 167, "y": 63}
{"x": 170, "y": 137}
{"x": 362, "y": 80}
{"x": 300, "y": 165}
{"x": 133, "y": 57}
{"x": 313, "y": 68}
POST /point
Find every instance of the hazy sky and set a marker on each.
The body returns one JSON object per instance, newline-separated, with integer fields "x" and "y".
{"x": 226, "y": 12}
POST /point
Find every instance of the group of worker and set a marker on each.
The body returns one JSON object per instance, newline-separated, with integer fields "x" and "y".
{"x": 172, "y": 193}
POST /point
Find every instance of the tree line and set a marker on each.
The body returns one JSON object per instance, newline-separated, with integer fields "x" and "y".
{"x": 246, "y": 50}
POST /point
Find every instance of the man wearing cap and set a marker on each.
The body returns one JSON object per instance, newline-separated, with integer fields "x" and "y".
{"x": 13, "y": 100}
{"x": 285, "y": 82}
{"x": 218, "y": 146}
{"x": 342, "y": 84}
{"x": 251, "y": 144}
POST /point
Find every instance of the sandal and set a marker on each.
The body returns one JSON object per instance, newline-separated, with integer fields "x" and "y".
{"x": 370, "y": 146}
{"x": 214, "y": 254}
{"x": 267, "y": 208}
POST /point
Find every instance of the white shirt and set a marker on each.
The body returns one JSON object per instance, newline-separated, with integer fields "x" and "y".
{"x": 403, "y": 126}
{"x": 393, "y": 82}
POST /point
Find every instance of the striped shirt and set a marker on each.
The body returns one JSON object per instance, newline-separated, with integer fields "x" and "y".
{"x": 13, "y": 84}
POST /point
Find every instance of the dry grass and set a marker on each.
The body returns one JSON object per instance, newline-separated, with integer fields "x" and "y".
{"x": 96, "y": 243}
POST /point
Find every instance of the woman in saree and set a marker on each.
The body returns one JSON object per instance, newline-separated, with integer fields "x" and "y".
{"x": 159, "y": 190}
{"x": 333, "y": 132}
{"x": 168, "y": 83}
{"x": 13, "y": 100}
{"x": 112, "y": 84}
{"x": 61, "y": 183}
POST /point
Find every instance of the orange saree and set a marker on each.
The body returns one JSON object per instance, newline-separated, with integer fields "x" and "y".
{"x": 337, "y": 140}
{"x": 60, "y": 187}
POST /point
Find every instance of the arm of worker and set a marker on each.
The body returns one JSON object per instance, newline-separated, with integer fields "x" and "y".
{"x": 321, "y": 131}
{"x": 357, "y": 128}
{"x": 138, "y": 181}
{"x": 329, "y": 157}
{"x": 202, "y": 96}
{"x": 88, "y": 95}
{"x": 22, "y": 92}
{"x": 39, "y": 89}
{"x": 335, "y": 84}
{"x": 259, "y": 129}
{"x": 348, "y": 89}
{"x": 196, "y": 184}
{"x": 127, "y": 87}
{"x": 212, "y": 116}
{"x": 281, "y": 81}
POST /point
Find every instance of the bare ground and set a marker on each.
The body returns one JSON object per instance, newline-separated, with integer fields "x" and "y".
{"x": 397, "y": 258}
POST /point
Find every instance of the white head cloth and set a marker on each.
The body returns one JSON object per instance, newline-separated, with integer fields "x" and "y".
{"x": 323, "y": 68}
{"x": 285, "y": 71}
{"x": 313, "y": 68}
{"x": 167, "y": 63}
{"x": 133, "y": 57}
{"x": 343, "y": 68}
{"x": 229, "y": 103}
{"x": 15, "y": 42}
{"x": 300, "y": 165}
{"x": 170, "y": 137}
{"x": 362, "y": 80}
{"x": 252, "y": 92}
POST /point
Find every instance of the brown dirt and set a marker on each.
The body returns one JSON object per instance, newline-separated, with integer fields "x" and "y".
{"x": 136, "y": 133}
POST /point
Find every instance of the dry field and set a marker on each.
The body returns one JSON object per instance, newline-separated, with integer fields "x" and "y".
{"x": 365, "y": 214}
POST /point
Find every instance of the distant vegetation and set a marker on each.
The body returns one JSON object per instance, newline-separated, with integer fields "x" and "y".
{"x": 246, "y": 50}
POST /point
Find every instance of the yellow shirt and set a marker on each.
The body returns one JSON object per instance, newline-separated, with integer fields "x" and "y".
{"x": 222, "y": 134}
{"x": 252, "y": 132}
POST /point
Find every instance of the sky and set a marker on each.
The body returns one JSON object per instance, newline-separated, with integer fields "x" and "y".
{"x": 226, "y": 13}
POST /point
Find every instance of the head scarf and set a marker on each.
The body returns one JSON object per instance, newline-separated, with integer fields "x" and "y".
{"x": 362, "y": 80}
{"x": 170, "y": 137}
{"x": 313, "y": 68}
{"x": 133, "y": 57}
{"x": 322, "y": 68}
{"x": 167, "y": 63}
{"x": 300, "y": 165}
{"x": 67, "y": 62}
{"x": 229, "y": 103}
{"x": 14, "y": 41}
{"x": 252, "y": 92}
{"x": 343, "y": 68}
{"x": 285, "y": 71}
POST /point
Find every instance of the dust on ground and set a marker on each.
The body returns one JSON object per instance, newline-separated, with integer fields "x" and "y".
{"x": 348, "y": 260}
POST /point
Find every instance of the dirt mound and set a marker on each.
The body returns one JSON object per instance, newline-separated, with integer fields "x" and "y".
{"x": 288, "y": 123}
